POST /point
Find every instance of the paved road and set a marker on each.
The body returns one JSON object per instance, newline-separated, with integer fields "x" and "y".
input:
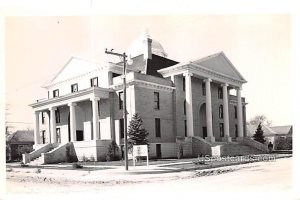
{"x": 265, "y": 180}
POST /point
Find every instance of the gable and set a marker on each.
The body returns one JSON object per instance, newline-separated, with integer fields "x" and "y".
{"x": 74, "y": 67}
{"x": 221, "y": 64}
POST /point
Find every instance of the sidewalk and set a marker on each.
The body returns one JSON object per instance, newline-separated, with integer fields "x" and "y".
{"x": 116, "y": 174}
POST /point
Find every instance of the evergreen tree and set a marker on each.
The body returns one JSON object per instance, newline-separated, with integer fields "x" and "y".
{"x": 136, "y": 132}
{"x": 259, "y": 134}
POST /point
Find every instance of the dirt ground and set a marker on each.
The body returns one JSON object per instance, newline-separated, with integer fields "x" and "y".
{"x": 272, "y": 179}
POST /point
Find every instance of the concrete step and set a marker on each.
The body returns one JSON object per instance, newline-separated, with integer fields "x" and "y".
{"x": 39, "y": 160}
{"x": 238, "y": 149}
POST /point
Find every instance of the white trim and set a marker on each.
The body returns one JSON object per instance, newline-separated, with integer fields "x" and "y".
{"x": 145, "y": 84}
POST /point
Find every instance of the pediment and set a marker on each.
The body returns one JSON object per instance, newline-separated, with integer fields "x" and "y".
{"x": 73, "y": 68}
{"x": 221, "y": 64}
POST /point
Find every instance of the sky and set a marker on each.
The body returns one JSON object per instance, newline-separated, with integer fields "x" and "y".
{"x": 258, "y": 45}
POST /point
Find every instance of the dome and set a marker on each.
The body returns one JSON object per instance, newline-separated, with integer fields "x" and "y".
{"x": 139, "y": 45}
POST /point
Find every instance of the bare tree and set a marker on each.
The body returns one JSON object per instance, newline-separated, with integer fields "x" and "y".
{"x": 7, "y": 126}
{"x": 260, "y": 119}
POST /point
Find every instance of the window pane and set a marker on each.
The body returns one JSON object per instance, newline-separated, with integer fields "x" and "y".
{"x": 203, "y": 89}
{"x": 157, "y": 127}
{"x": 121, "y": 98}
{"x": 183, "y": 83}
{"x": 121, "y": 123}
{"x": 156, "y": 100}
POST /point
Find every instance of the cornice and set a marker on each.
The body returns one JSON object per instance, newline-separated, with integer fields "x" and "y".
{"x": 96, "y": 91}
{"x": 145, "y": 84}
{"x": 201, "y": 71}
{"x": 113, "y": 68}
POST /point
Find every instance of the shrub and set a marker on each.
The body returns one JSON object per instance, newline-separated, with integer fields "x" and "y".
{"x": 70, "y": 157}
{"x": 92, "y": 158}
{"x": 77, "y": 166}
{"x": 84, "y": 158}
{"x": 284, "y": 143}
{"x": 112, "y": 152}
{"x": 180, "y": 151}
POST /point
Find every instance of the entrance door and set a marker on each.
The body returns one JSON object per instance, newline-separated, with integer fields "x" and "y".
{"x": 58, "y": 136}
{"x": 204, "y": 132}
{"x": 79, "y": 135}
{"x": 158, "y": 150}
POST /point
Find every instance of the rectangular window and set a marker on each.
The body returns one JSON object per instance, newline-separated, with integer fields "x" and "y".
{"x": 43, "y": 118}
{"x": 157, "y": 127}
{"x": 235, "y": 112}
{"x": 58, "y": 136}
{"x": 184, "y": 107}
{"x": 94, "y": 82}
{"x": 55, "y": 93}
{"x": 183, "y": 84}
{"x": 156, "y": 100}
{"x": 203, "y": 89}
{"x": 43, "y": 136}
{"x": 121, "y": 124}
{"x": 74, "y": 88}
{"x": 236, "y": 130}
{"x": 121, "y": 99}
{"x": 185, "y": 129}
{"x": 221, "y": 129}
{"x": 98, "y": 108}
{"x": 221, "y": 112}
{"x": 57, "y": 116}
{"x": 220, "y": 93}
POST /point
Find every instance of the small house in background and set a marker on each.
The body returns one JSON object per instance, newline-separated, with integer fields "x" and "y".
{"x": 280, "y": 136}
{"x": 18, "y": 143}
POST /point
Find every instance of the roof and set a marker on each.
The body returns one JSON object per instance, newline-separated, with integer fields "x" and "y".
{"x": 269, "y": 131}
{"x": 21, "y": 136}
{"x": 220, "y": 63}
{"x": 137, "y": 47}
{"x": 138, "y": 64}
{"x": 251, "y": 129}
{"x": 283, "y": 129}
{"x": 149, "y": 66}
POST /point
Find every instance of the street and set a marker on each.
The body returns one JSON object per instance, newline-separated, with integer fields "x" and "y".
{"x": 264, "y": 180}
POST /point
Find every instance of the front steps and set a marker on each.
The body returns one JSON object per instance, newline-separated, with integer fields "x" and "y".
{"x": 237, "y": 149}
{"x": 41, "y": 160}
{"x": 196, "y": 146}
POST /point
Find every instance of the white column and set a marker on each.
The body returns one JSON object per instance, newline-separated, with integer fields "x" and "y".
{"x": 239, "y": 112}
{"x": 36, "y": 128}
{"x": 189, "y": 104}
{"x": 227, "y": 137}
{"x": 53, "y": 125}
{"x": 210, "y": 137}
{"x": 73, "y": 121}
{"x": 95, "y": 118}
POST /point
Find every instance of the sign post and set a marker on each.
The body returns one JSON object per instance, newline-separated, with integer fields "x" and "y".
{"x": 140, "y": 150}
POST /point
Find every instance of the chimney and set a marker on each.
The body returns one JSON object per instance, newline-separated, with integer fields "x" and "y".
{"x": 147, "y": 48}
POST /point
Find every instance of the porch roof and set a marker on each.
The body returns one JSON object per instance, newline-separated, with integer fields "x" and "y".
{"x": 93, "y": 92}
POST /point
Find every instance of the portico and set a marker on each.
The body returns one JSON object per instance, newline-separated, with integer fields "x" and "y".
{"x": 191, "y": 71}
{"x": 67, "y": 108}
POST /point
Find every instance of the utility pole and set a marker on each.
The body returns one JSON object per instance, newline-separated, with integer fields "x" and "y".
{"x": 124, "y": 105}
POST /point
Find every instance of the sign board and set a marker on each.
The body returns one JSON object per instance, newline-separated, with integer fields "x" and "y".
{"x": 140, "y": 150}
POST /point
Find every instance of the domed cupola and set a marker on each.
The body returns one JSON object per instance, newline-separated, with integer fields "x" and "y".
{"x": 146, "y": 46}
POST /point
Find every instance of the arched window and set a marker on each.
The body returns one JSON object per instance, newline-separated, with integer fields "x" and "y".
{"x": 221, "y": 111}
